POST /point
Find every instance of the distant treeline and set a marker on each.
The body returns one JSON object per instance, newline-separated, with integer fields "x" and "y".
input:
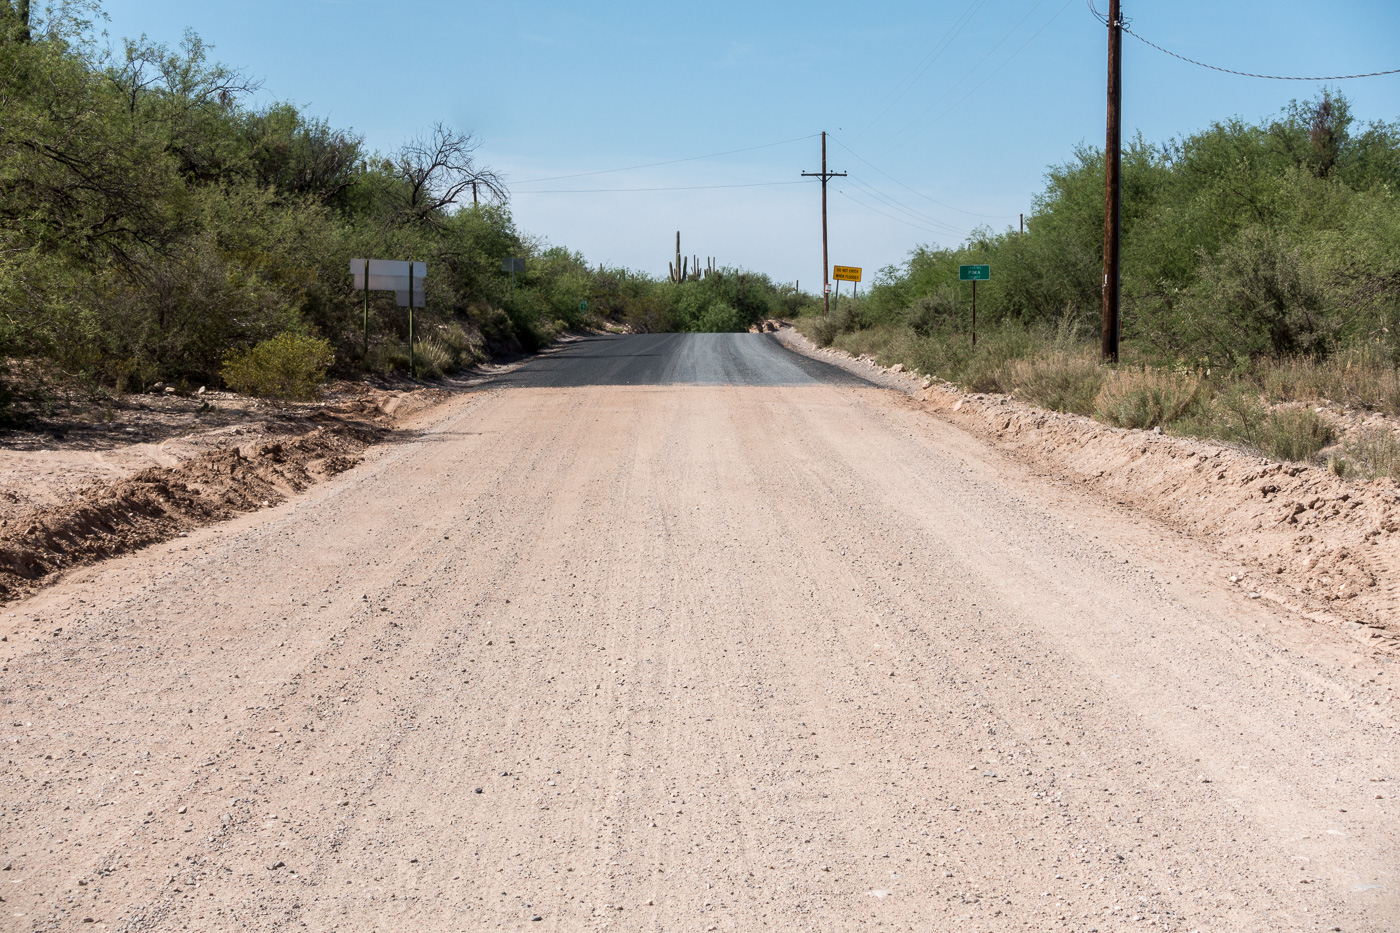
{"x": 1242, "y": 242}
{"x": 152, "y": 223}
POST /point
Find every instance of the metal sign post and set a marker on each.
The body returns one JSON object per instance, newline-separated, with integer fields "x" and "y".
{"x": 512, "y": 265}
{"x": 402, "y": 277}
{"x": 845, "y": 274}
{"x": 974, "y": 274}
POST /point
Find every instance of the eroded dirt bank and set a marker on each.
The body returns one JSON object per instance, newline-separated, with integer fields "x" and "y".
{"x": 68, "y": 501}
{"x": 1291, "y": 534}
{"x": 675, "y": 657}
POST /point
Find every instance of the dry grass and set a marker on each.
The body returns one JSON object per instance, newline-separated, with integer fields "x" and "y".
{"x": 1372, "y": 453}
{"x": 1146, "y": 398}
{"x": 1363, "y": 376}
{"x": 1060, "y": 380}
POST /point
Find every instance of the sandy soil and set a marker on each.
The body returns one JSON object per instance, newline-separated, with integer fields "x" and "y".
{"x": 89, "y": 485}
{"x": 689, "y": 658}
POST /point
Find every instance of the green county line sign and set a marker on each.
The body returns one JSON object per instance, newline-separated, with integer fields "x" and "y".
{"x": 974, "y": 274}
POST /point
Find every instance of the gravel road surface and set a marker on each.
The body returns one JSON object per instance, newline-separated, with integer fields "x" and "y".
{"x": 684, "y": 633}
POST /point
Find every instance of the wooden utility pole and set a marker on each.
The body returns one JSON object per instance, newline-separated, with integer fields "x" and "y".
{"x": 825, "y": 176}
{"x": 1113, "y": 187}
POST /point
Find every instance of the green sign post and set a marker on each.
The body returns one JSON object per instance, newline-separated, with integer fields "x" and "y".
{"x": 974, "y": 274}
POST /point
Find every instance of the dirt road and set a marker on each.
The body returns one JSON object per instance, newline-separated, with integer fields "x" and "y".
{"x": 688, "y": 633}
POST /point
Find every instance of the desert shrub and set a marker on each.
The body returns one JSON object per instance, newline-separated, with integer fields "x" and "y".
{"x": 388, "y": 357}
{"x": 929, "y": 313}
{"x": 1235, "y": 413}
{"x": 720, "y": 318}
{"x": 466, "y": 346}
{"x": 983, "y": 368}
{"x": 1296, "y": 434}
{"x": 646, "y": 315}
{"x": 1373, "y": 452}
{"x": 1362, "y": 374}
{"x": 288, "y": 366}
{"x": 433, "y": 358}
{"x": 1238, "y": 414}
{"x": 851, "y": 314}
{"x": 1146, "y": 398}
{"x": 1060, "y": 380}
{"x": 1259, "y": 297}
{"x": 822, "y": 330}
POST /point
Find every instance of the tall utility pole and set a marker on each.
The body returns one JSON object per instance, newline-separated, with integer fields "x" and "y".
{"x": 825, "y": 176}
{"x": 1113, "y": 187}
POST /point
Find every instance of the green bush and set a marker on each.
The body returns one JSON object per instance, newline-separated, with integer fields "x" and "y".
{"x": 928, "y": 314}
{"x": 822, "y": 330}
{"x": 1296, "y": 434}
{"x": 1060, "y": 380}
{"x": 1237, "y": 414}
{"x": 1146, "y": 398}
{"x": 1373, "y": 452}
{"x": 288, "y": 366}
{"x": 466, "y": 346}
{"x": 434, "y": 358}
{"x": 1363, "y": 375}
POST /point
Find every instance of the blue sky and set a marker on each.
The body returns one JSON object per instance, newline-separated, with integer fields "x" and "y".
{"x": 961, "y": 104}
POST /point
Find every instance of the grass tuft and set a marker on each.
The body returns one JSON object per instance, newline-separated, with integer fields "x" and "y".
{"x": 1146, "y": 398}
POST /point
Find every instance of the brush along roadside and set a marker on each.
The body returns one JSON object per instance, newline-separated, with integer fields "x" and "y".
{"x": 1298, "y": 535}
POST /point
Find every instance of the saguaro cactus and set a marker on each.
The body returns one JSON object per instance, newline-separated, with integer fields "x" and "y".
{"x": 688, "y": 267}
{"x": 678, "y": 269}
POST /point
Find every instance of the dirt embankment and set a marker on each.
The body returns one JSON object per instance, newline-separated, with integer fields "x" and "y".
{"x": 1289, "y": 533}
{"x": 67, "y": 503}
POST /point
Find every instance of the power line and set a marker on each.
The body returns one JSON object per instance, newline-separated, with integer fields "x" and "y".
{"x": 1248, "y": 74}
{"x": 759, "y": 184}
{"x": 991, "y": 74}
{"x": 633, "y": 168}
{"x": 1011, "y": 32}
{"x": 883, "y": 198}
{"x": 919, "y": 70}
{"x": 915, "y": 190}
{"x": 907, "y": 223}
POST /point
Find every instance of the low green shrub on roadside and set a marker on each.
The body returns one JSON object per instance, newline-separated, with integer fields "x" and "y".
{"x": 1238, "y": 415}
{"x": 1372, "y": 453}
{"x": 928, "y": 314}
{"x": 466, "y": 347}
{"x": 286, "y": 367}
{"x": 1146, "y": 398}
{"x": 1296, "y": 434}
{"x": 1362, "y": 375}
{"x": 433, "y": 358}
{"x": 1060, "y": 380}
{"x": 822, "y": 330}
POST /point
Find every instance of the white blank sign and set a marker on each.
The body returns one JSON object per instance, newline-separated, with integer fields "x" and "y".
{"x": 391, "y": 275}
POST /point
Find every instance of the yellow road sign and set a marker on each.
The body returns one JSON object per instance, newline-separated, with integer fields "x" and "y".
{"x": 846, "y": 273}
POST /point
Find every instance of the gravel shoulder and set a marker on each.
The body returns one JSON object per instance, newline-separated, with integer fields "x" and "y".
{"x": 653, "y": 657}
